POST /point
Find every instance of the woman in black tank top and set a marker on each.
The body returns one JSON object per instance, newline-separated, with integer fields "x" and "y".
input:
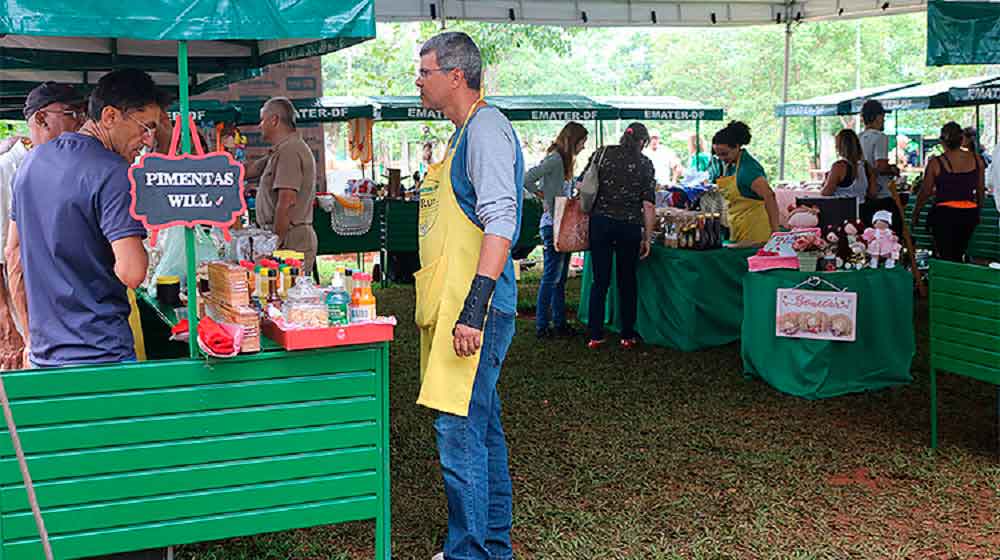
{"x": 956, "y": 180}
{"x": 845, "y": 171}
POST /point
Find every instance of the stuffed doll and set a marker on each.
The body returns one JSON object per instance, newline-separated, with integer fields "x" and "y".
{"x": 802, "y": 217}
{"x": 857, "y": 258}
{"x": 831, "y": 259}
{"x": 882, "y": 242}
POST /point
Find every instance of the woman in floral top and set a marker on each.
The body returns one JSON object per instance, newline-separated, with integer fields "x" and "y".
{"x": 621, "y": 225}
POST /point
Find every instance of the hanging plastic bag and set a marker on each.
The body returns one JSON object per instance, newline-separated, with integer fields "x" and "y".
{"x": 172, "y": 259}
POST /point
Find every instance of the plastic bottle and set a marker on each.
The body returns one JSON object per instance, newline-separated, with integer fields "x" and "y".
{"x": 260, "y": 289}
{"x": 349, "y": 280}
{"x": 273, "y": 292}
{"x": 362, "y": 299}
{"x": 284, "y": 280}
{"x": 338, "y": 302}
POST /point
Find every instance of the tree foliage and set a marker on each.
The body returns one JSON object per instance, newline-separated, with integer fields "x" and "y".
{"x": 739, "y": 69}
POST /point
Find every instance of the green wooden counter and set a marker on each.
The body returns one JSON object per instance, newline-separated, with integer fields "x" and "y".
{"x": 133, "y": 456}
{"x": 965, "y": 328}
{"x": 688, "y": 300}
{"x": 985, "y": 242}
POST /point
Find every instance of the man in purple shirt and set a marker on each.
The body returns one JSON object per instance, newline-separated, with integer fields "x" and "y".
{"x": 80, "y": 247}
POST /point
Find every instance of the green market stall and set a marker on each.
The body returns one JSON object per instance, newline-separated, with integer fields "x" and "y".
{"x": 879, "y": 357}
{"x": 688, "y": 300}
{"x": 132, "y": 456}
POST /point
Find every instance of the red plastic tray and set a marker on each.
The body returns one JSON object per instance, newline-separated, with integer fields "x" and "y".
{"x": 306, "y": 339}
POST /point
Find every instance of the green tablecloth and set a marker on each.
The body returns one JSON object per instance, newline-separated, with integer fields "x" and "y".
{"x": 816, "y": 369}
{"x": 688, "y": 300}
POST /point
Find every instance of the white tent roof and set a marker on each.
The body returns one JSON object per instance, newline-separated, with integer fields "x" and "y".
{"x": 628, "y": 13}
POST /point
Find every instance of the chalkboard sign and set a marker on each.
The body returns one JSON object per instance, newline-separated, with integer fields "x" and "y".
{"x": 187, "y": 189}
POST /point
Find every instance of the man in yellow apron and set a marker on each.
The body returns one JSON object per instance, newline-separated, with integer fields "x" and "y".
{"x": 470, "y": 213}
{"x": 752, "y": 207}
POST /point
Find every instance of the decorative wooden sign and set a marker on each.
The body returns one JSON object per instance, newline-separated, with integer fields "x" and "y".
{"x": 187, "y": 189}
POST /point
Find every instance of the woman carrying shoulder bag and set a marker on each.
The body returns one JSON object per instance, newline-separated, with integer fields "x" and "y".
{"x": 548, "y": 179}
{"x": 621, "y": 225}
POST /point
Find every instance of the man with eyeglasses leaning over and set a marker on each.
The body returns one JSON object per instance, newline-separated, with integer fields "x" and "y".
{"x": 50, "y": 109}
{"x": 80, "y": 247}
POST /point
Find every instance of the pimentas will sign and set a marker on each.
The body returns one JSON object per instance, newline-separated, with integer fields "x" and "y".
{"x": 187, "y": 190}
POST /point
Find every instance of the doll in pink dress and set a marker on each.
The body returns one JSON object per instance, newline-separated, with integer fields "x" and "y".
{"x": 882, "y": 242}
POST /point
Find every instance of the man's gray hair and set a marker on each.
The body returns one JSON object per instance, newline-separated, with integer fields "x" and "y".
{"x": 455, "y": 49}
{"x": 283, "y": 108}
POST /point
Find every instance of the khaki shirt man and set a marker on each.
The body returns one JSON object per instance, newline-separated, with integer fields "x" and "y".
{"x": 287, "y": 187}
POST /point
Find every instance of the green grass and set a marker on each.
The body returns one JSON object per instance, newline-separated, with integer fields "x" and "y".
{"x": 659, "y": 454}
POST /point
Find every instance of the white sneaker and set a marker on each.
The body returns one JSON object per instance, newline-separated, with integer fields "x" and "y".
{"x": 438, "y": 556}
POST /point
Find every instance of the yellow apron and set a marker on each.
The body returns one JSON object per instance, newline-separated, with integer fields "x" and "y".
{"x": 449, "y": 258}
{"x": 748, "y": 219}
{"x": 135, "y": 324}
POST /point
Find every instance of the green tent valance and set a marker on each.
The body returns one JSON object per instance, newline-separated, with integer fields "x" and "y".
{"x": 963, "y": 32}
{"x": 312, "y": 110}
{"x": 981, "y": 93}
{"x": 661, "y": 108}
{"x": 552, "y": 108}
{"x": 833, "y": 104}
{"x": 559, "y": 108}
{"x": 929, "y": 96}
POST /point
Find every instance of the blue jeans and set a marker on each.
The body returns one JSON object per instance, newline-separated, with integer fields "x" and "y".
{"x": 473, "y": 454}
{"x": 552, "y": 290}
{"x": 617, "y": 244}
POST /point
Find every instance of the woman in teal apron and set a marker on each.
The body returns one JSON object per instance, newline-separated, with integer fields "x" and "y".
{"x": 752, "y": 208}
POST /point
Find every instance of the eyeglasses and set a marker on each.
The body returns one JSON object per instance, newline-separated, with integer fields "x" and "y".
{"x": 426, "y": 72}
{"x": 146, "y": 130}
{"x": 73, "y": 114}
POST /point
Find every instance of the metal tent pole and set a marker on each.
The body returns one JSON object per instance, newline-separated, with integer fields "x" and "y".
{"x": 977, "y": 121}
{"x": 784, "y": 99}
{"x": 697, "y": 141}
{"x": 189, "y": 250}
{"x": 816, "y": 141}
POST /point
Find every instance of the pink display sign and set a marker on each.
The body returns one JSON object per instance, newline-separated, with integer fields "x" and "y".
{"x": 817, "y": 315}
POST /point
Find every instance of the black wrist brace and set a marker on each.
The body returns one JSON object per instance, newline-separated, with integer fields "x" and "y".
{"x": 477, "y": 302}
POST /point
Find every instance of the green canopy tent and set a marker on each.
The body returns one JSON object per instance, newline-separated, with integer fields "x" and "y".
{"x": 938, "y": 95}
{"x": 963, "y": 32}
{"x": 312, "y": 110}
{"x": 179, "y": 451}
{"x": 664, "y": 108}
{"x": 826, "y": 106}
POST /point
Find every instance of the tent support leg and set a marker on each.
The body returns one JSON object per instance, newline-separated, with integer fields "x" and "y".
{"x": 977, "y": 121}
{"x": 189, "y": 250}
{"x": 697, "y": 139}
{"x": 816, "y": 141}
{"x": 784, "y": 99}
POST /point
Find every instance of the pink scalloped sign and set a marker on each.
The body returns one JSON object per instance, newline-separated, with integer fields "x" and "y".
{"x": 187, "y": 189}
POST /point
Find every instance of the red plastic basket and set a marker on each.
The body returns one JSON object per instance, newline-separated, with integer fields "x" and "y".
{"x": 305, "y": 339}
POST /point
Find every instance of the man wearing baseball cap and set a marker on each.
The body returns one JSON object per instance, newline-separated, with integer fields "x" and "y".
{"x": 50, "y": 109}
